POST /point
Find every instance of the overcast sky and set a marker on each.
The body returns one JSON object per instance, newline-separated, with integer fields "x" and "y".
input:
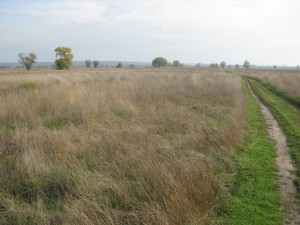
{"x": 266, "y": 32}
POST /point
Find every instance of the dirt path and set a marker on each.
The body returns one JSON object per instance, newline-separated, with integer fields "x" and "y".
{"x": 285, "y": 166}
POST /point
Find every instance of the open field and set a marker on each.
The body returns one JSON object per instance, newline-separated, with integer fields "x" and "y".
{"x": 116, "y": 146}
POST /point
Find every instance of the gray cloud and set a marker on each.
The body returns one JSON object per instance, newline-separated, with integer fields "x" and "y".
{"x": 264, "y": 31}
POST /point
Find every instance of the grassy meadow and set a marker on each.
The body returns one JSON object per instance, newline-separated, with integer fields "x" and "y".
{"x": 117, "y": 146}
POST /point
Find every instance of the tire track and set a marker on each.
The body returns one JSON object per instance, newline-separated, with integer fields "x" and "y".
{"x": 285, "y": 166}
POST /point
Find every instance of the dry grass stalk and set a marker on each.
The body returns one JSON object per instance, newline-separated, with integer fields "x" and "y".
{"x": 113, "y": 146}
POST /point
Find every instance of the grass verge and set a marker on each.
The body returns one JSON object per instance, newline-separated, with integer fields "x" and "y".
{"x": 288, "y": 118}
{"x": 255, "y": 196}
{"x": 292, "y": 100}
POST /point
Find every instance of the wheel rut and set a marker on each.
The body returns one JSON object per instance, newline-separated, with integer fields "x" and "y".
{"x": 285, "y": 166}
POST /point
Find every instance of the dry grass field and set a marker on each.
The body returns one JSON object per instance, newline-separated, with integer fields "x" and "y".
{"x": 286, "y": 81}
{"x": 116, "y": 146}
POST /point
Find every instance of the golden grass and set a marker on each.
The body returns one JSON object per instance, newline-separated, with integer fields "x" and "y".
{"x": 115, "y": 146}
{"x": 286, "y": 81}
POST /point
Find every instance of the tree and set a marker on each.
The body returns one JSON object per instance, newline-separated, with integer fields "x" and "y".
{"x": 298, "y": 67}
{"x": 237, "y": 66}
{"x": 176, "y": 63}
{"x": 169, "y": 64}
{"x": 96, "y": 63}
{"x": 159, "y": 62}
{"x": 214, "y": 65}
{"x": 198, "y": 65}
{"x": 27, "y": 59}
{"x": 64, "y": 58}
{"x": 246, "y": 64}
{"x": 131, "y": 66}
{"x": 120, "y": 65}
{"x": 88, "y": 63}
{"x": 275, "y": 67}
{"x": 223, "y": 64}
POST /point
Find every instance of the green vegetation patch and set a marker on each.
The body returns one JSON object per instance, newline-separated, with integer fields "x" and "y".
{"x": 57, "y": 123}
{"x": 255, "y": 196}
{"x": 288, "y": 118}
{"x": 29, "y": 86}
{"x": 46, "y": 192}
{"x": 172, "y": 129}
{"x": 292, "y": 100}
{"x": 53, "y": 124}
{"x": 123, "y": 114}
{"x": 7, "y": 126}
{"x": 51, "y": 187}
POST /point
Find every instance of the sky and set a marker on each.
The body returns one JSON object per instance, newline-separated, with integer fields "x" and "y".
{"x": 265, "y": 32}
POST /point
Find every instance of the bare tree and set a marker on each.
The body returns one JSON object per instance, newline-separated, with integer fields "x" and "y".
{"x": 27, "y": 59}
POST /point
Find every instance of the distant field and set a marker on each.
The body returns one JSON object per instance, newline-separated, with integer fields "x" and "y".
{"x": 116, "y": 146}
{"x": 286, "y": 81}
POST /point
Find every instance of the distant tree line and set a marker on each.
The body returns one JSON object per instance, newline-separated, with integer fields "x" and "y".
{"x": 163, "y": 62}
{"x": 198, "y": 65}
{"x": 246, "y": 65}
{"x": 214, "y": 65}
{"x": 88, "y": 63}
{"x": 64, "y": 60}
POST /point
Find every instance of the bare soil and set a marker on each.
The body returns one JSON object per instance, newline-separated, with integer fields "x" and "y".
{"x": 285, "y": 166}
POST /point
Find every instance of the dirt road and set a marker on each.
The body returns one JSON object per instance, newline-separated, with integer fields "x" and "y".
{"x": 285, "y": 166}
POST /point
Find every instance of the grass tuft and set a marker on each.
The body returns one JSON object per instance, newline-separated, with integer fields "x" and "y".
{"x": 123, "y": 114}
{"x": 29, "y": 85}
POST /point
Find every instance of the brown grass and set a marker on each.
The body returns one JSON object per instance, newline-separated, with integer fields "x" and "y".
{"x": 115, "y": 146}
{"x": 286, "y": 81}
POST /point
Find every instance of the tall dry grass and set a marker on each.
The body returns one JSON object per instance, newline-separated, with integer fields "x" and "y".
{"x": 115, "y": 146}
{"x": 286, "y": 81}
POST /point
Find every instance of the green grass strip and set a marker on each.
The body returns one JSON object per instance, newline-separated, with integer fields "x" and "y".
{"x": 255, "y": 197}
{"x": 288, "y": 118}
{"x": 292, "y": 100}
